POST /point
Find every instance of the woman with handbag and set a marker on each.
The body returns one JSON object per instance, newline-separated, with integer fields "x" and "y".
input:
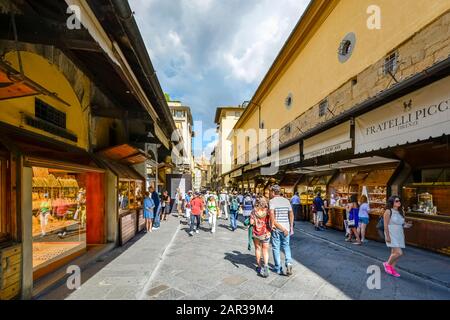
{"x": 394, "y": 223}
{"x": 353, "y": 220}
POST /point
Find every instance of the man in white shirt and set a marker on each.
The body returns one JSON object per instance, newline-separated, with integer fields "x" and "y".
{"x": 283, "y": 227}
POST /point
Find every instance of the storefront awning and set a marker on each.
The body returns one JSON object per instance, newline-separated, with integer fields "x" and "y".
{"x": 125, "y": 154}
{"x": 236, "y": 174}
{"x": 122, "y": 171}
{"x": 60, "y": 165}
{"x": 418, "y": 116}
{"x": 331, "y": 141}
{"x": 10, "y": 88}
{"x": 13, "y": 84}
{"x": 351, "y": 164}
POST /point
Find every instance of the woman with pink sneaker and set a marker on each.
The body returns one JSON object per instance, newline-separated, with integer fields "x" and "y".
{"x": 394, "y": 222}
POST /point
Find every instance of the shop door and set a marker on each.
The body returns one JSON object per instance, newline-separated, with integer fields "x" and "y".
{"x": 95, "y": 205}
{"x": 4, "y": 223}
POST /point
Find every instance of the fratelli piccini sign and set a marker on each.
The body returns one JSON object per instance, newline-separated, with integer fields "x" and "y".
{"x": 418, "y": 116}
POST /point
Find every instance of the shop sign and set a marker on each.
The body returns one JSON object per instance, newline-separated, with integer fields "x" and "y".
{"x": 331, "y": 141}
{"x": 236, "y": 174}
{"x": 285, "y": 156}
{"x": 418, "y": 116}
{"x": 251, "y": 167}
{"x": 290, "y": 160}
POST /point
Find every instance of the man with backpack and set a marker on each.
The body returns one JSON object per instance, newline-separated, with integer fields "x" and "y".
{"x": 234, "y": 210}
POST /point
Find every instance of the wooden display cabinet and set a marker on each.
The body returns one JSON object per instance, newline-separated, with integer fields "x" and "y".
{"x": 439, "y": 193}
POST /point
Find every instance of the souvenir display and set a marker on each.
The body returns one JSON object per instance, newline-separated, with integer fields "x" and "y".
{"x": 371, "y": 182}
{"x": 130, "y": 194}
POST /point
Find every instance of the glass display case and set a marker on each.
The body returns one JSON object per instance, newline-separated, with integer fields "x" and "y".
{"x": 427, "y": 192}
{"x": 310, "y": 186}
{"x": 130, "y": 194}
{"x": 429, "y": 200}
{"x": 340, "y": 188}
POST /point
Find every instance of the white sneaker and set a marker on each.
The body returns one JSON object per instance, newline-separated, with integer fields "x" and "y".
{"x": 191, "y": 233}
{"x": 196, "y": 231}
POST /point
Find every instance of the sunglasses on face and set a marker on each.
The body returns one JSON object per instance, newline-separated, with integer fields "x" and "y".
{"x": 398, "y": 200}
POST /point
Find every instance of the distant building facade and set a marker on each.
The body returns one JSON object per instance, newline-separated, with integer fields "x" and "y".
{"x": 183, "y": 121}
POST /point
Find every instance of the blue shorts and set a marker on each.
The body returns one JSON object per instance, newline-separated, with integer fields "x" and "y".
{"x": 363, "y": 220}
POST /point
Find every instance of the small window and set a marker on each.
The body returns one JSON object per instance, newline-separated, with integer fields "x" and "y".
{"x": 287, "y": 129}
{"x": 346, "y": 47}
{"x": 179, "y": 114}
{"x": 288, "y": 101}
{"x": 46, "y": 112}
{"x": 390, "y": 63}
{"x": 323, "y": 108}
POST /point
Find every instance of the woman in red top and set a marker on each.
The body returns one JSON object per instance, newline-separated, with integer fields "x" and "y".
{"x": 260, "y": 220}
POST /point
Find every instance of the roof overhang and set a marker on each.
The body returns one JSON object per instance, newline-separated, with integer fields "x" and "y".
{"x": 219, "y": 111}
{"x": 125, "y": 154}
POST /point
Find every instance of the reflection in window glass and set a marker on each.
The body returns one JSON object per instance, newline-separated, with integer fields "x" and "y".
{"x": 59, "y": 215}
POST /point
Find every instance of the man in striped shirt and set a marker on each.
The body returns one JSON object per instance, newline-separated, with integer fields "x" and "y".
{"x": 283, "y": 227}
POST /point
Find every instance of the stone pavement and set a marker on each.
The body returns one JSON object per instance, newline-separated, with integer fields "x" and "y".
{"x": 170, "y": 265}
{"x": 219, "y": 266}
{"x": 126, "y": 276}
{"x": 425, "y": 264}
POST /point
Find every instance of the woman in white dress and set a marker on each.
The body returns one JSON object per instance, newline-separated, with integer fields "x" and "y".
{"x": 394, "y": 223}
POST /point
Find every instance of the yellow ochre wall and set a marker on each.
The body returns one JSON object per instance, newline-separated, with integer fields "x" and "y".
{"x": 315, "y": 71}
{"x": 48, "y": 76}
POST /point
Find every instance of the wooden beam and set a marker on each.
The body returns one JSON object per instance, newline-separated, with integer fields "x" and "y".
{"x": 84, "y": 45}
{"x": 115, "y": 113}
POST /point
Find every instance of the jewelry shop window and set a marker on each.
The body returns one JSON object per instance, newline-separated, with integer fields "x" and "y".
{"x": 59, "y": 216}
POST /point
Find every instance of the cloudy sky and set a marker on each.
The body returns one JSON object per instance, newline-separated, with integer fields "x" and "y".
{"x": 210, "y": 53}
